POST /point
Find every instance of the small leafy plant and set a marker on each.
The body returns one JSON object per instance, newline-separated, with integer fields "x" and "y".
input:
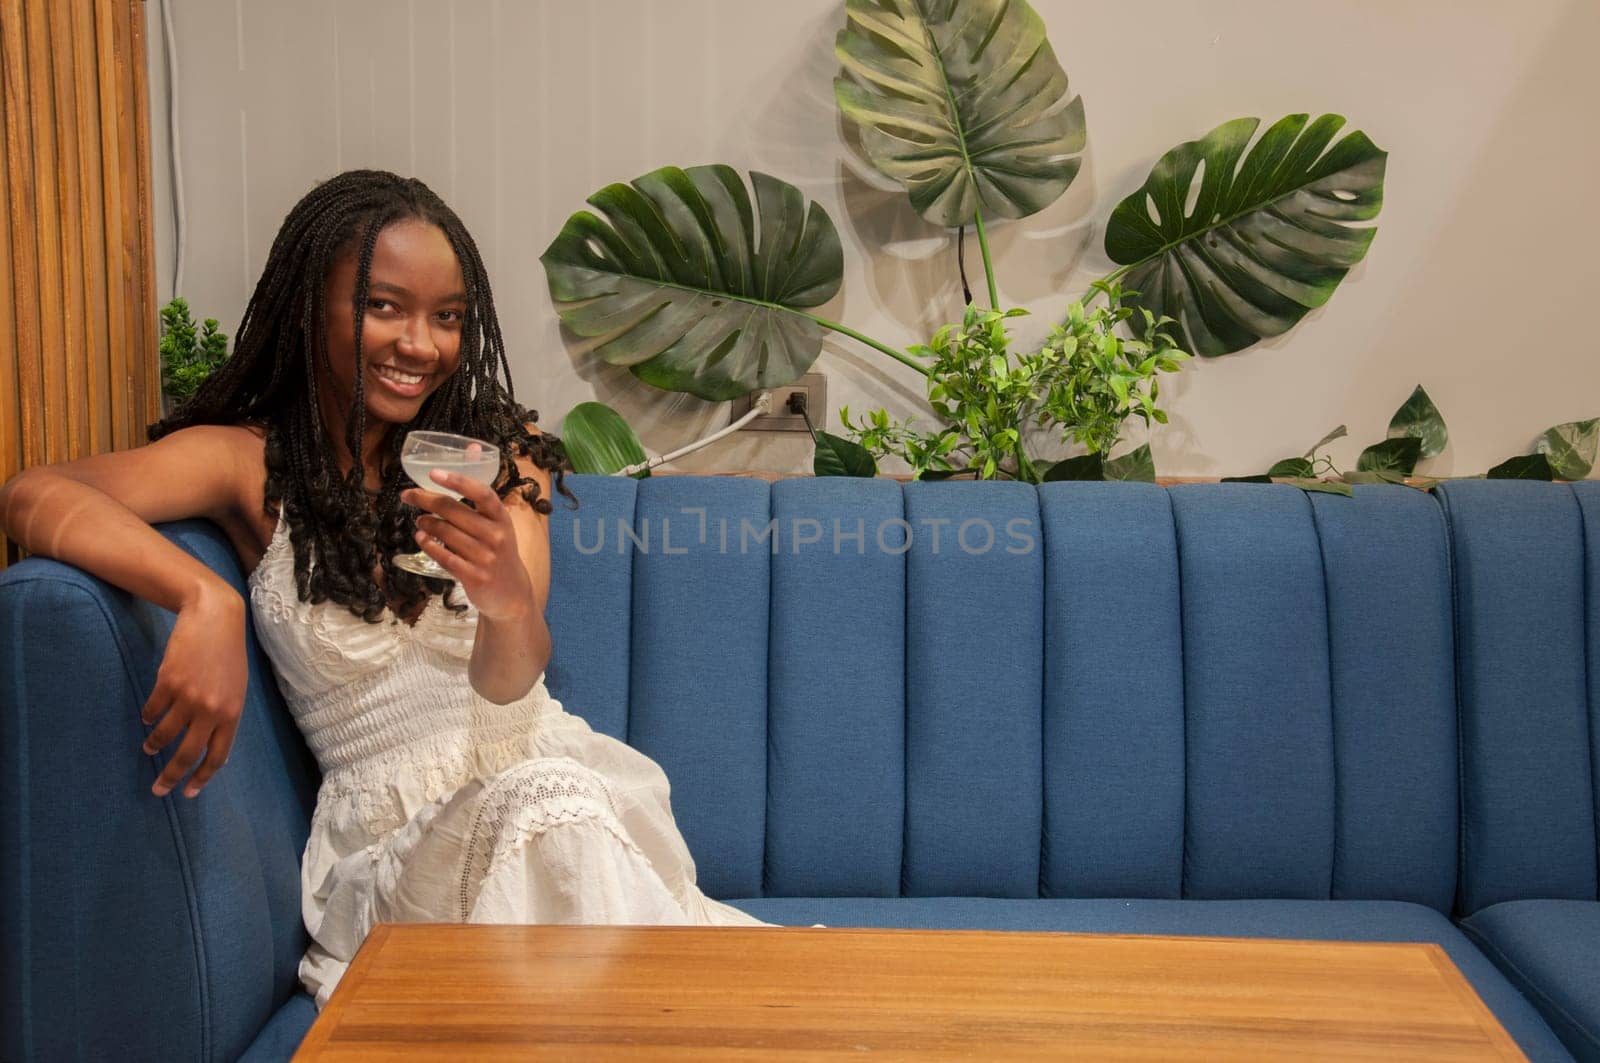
{"x": 1086, "y": 380}
{"x": 1417, "y": 432}
{"x": 188, "y": 354}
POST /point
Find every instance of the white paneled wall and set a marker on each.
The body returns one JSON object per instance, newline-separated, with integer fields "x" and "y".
{"x": 516, "y": 110}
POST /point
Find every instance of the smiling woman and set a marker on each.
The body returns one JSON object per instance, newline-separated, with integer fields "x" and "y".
{"x": 454, "y": 787}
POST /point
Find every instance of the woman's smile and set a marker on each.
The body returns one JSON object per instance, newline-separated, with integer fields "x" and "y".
{"x": 404, "y": 385}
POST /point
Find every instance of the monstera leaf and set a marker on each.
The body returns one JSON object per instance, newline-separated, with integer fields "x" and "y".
{"x": 697, "y": 291}
{"x": 1266, "y": 240}
{"x": 962, "y": 102}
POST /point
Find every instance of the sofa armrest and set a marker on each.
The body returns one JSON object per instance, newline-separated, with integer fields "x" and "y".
{"x": 131, "y": 926}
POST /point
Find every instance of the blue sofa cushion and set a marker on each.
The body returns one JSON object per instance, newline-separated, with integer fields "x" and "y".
{"x": 281, "y": 1036}
{"x": 1551, "y": 951}
{"x": 1527, "y": 787}
{"x": 1295, "y": 919}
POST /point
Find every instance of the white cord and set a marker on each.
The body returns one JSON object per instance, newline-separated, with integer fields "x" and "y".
{"x": 172, "y": 137}
{"x": 761, "y": 405}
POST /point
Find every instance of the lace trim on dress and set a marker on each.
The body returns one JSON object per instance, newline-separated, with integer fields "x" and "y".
{"x": 524, "y": 803}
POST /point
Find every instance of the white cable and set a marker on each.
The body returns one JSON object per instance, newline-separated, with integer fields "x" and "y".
{"x": 761, "y": 405}
{"x": 172, "y": 138}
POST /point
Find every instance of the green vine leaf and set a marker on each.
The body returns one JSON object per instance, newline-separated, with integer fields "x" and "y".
{"x": 1267, "y": 240}
{"x": 961, "y": 101}
{"x": 1327, "y": 487}
{"x": 1523, "y": 467}
{"x": 1300, "y": 468}
{"x": 1392, "y": 455}
{"x": 1420, "y": 418}
{"x": 1571, "y": 448}
{"x": 1083, "y": 467}
{"x": 836, "y": 456}
{"x": 1136, "y": 465}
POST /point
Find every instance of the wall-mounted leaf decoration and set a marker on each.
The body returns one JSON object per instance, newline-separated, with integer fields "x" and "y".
{"x": 1266, "y": 240}
{"x": 962, "y": 102}
{"x": 698, "y": 291}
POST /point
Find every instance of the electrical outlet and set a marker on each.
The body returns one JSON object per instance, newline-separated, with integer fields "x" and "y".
{"x": 812, "y": 385}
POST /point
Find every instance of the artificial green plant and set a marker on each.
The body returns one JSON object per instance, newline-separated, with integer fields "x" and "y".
{"x": 696, "y": 288}
{"x": 188, "y": 354}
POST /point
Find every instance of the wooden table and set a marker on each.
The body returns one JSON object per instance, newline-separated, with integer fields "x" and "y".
{"x": 452, "y": 992}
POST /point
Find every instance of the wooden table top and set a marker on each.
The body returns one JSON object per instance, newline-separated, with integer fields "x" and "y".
{"x": 454, "y": 992}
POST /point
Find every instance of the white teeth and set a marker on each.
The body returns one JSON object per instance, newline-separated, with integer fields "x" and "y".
{"x": 396, "y": 375}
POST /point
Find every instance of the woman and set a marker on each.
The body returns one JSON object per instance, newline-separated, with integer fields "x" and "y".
{"x": 454, "y": 787}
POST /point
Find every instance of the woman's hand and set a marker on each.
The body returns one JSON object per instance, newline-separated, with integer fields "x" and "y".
{"x": 478, "y": 547}
{"x": 199, "y": 689}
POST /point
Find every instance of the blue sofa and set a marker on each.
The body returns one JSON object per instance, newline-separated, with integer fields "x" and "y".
{"x": 1211, "y": 709}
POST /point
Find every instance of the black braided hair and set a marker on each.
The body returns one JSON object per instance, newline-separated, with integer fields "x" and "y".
{"x": 270, "y": 381}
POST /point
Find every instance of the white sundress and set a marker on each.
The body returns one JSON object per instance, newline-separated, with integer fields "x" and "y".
{"x": 437, "y": 805}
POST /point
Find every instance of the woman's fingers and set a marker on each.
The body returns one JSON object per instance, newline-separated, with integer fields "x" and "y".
{"x": 216, "y": 756}
{"x": 158, "y": 700}
{"x": 188, "y": 754}
{"x": 170, "y": 727}
{"x": 459, "y": 567}
{"x": 481, "y": 494}
{"x": 449, "y": 509}
{"x": 456, "y": 540}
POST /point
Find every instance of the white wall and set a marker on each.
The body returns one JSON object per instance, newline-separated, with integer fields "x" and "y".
{"x": 1478, "y": 285}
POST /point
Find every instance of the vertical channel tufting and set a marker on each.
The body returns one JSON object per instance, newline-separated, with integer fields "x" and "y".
{"x": 1527, "y": 797}
{"x": 1333, "y": 704}
{"x": 836, "y": 680}
{"x": 699, "y": 663}
{"x": 1392, "y": 668}
{"x": 974, "y": 650}
{"x": 1259, "y": 791}
{"x": 1588, "y": 496}
{"x": 591, "y": 600}
{"x": 1113, "y": 692}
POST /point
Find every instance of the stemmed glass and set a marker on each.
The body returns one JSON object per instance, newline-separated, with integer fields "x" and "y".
{"x": 423, "y": 452}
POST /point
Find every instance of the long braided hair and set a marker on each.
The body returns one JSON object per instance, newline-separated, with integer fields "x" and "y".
{"x": 270, "y": 380}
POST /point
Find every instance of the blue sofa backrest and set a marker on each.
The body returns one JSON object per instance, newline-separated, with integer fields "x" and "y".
{"x": 1527, "y": 576}
{"x": 1077, "y": 690}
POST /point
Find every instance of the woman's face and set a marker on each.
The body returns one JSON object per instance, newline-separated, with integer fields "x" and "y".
{"x": 411, "y": 332}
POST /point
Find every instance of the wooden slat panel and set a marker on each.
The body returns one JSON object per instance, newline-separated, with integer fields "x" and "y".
{"x": 143, "y": 265}
{"x": 70, "y": 360}
{"x": 128, "y": 184}
{"x": 47, "y": 234}
{"x": 90, "y": 209}
{"x": 79, "y": 369}
{"x": 117, "y": 309}
{"x": 21, "y": 210}
{"x": 10, "y": 427}
{"x": 127, "y": 203}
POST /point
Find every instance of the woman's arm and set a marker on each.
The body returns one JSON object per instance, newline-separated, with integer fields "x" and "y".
{"x": 96, "y": 514}
{"x": 500, "y": 553}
